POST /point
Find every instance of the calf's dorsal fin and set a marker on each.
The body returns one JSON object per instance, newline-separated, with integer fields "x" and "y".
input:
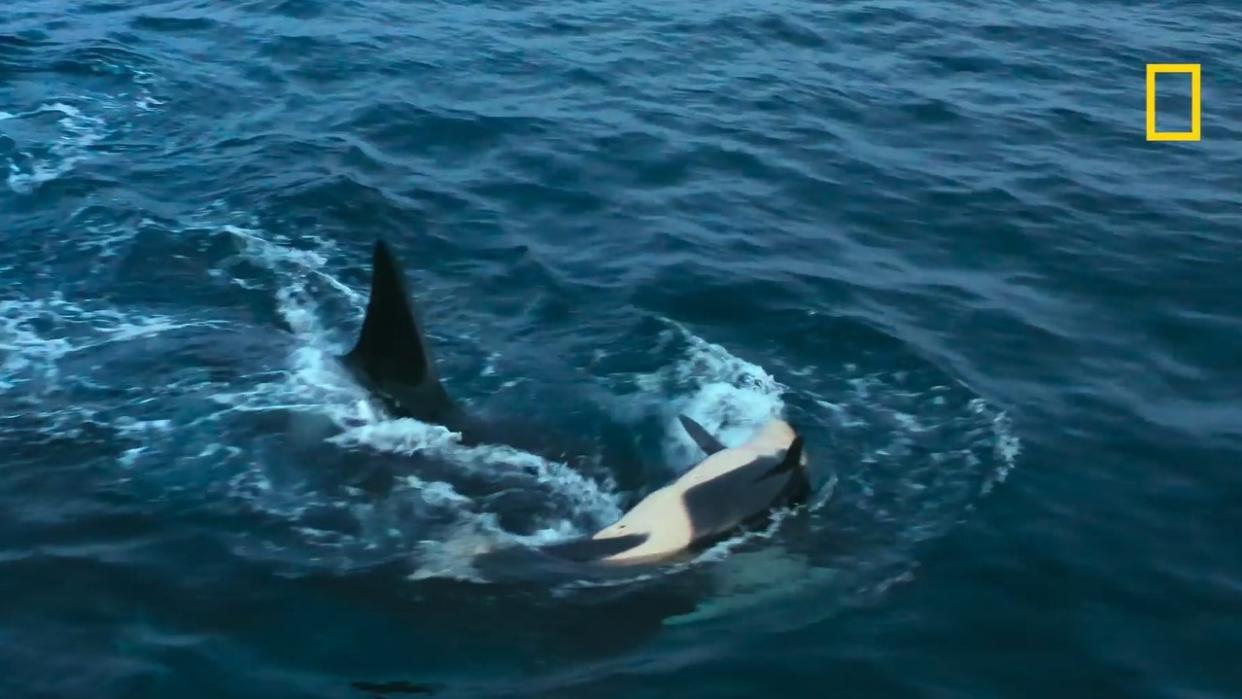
{"x": 792, "y": 460}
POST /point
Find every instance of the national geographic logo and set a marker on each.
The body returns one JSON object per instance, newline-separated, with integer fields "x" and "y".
{"x": 1154, "y": 69}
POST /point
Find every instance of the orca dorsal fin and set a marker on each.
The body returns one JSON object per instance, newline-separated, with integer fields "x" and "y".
{"x": 792, "y": 460}
{"x": 391, "y": 356}
{"x": 700, "y": 435}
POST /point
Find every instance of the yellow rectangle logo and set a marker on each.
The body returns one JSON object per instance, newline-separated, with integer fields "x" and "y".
{"x": 1152, "y": 70}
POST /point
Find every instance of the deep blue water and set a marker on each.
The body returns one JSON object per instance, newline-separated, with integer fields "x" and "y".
{"x": 930, "y": 234}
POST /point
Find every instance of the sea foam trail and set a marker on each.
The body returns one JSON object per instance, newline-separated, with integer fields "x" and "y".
{"x": 315, "y": 382}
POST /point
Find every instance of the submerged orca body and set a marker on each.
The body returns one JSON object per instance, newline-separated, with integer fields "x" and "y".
{"x": 733, "y": 488}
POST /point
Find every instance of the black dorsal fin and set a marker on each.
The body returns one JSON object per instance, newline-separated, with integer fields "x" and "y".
{"x": 792, "y": 460}
{"x": 391, "y": 357}
{"x": 701, "y": 436}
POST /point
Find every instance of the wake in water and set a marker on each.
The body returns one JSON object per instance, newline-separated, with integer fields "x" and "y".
{"x": 339, "y": 485}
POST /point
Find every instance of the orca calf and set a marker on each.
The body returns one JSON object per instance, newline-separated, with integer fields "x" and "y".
{"x": 730, "y": 490}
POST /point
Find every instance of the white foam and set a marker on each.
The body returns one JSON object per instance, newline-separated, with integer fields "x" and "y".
{"x": 27, "y": 354}
{"x": 130, "y": 456}
{"x": 314, "y": 381}
{"x": 410, "y": 436}
{"x": 1007, "y": 449}
{"x": 729, "y": 396}
{"x": 79, "y": 132}
{"x": 453, "y": 552}
{"x": 144, "y": 100}
{"x": 102, "y": 240}
{"x": 31, "y": 353}
{"x": 295, "y": 264}
{"x": 133, "y": 428}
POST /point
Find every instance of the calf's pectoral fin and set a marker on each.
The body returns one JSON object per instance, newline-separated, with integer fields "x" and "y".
{"x": 701, "y": 436}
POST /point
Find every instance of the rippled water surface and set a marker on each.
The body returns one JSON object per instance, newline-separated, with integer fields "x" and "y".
{"x": 929, "y": 234}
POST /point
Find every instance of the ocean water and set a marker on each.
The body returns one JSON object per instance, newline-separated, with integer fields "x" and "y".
{"x": 932, "y": 235}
